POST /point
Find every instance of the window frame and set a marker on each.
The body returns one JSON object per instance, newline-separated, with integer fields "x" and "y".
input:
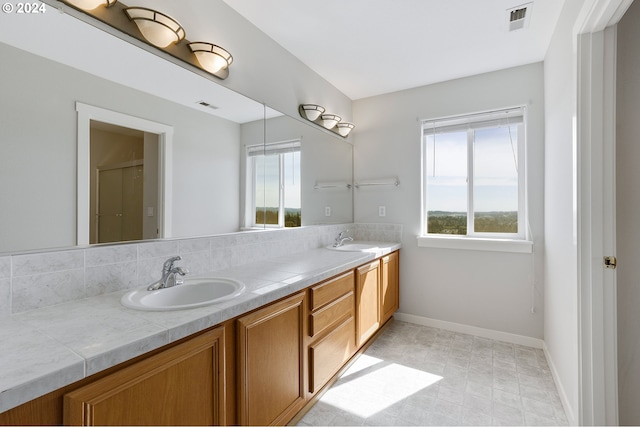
{"x": 254, "y": 152}
{"x": 492, "y": 241}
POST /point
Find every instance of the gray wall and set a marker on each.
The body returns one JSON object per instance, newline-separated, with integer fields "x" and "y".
{"x": 560, "y": 255}
{"x": 489, "y": 290}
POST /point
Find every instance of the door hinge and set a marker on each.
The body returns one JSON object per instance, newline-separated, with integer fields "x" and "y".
{"x": 610, "y": 262}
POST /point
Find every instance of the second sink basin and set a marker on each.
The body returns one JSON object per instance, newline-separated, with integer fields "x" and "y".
{"x": 357, "y": 247}
{"x": 194, "y": 292}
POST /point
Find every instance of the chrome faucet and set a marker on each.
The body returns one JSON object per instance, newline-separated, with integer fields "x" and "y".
{"x": 170, "y": 275}
{"x": 341, "y": 238}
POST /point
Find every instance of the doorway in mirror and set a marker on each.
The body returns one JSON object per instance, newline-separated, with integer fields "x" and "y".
{"x": 124, "y": 177}
{"x": 124, "y": 185}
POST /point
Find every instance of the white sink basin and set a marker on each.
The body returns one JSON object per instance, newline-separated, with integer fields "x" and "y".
{"x": 194, "y": 292}
{"x": 356, "y": 247}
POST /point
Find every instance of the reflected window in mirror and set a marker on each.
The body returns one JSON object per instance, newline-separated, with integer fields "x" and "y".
{"x": 275, "y": 184}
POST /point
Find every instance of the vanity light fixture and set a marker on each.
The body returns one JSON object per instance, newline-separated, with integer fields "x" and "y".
{"x": 344, "y": 128}
{"x": 211, "y": 57}
{"x": 316, "y": 114}
{"x": 312, "y": 111}
{"x": 157, "y": 28}
{"x": 330, "y": 121}
{"x": 91, "y": 4}
{"x": 160, "y": 30}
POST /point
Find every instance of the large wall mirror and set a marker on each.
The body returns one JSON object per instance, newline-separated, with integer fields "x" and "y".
{"x": 46, "y": 73}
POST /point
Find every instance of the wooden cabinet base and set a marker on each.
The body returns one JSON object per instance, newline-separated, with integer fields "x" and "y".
{"x": 180, "y": 386}
{"x": 389, "y": 286}
{"x": 367, "y": 301}
{"x": 271, "y": 362}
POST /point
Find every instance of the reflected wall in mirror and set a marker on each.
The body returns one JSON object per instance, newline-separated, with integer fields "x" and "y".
{"x": 38, "y": 168}
{"x": 43, "y": 81}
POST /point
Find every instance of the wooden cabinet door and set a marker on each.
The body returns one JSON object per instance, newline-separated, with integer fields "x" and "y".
{"x": 367, "y": 301}
{"x": 183, "y": 385}
{"x": 389, "y": 286}
{"x": 271, "y": 364}
{"x": 329, "y": 354}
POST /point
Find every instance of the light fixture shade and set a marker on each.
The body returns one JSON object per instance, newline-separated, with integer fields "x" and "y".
{"x": 312, "y": 111}
{"x": 211, "y": 57}
{"x": 329, "y": 121}
{"x": 157, "y": 28}
{"x": 90, "y": 4}
{"x": 345, "y": 127}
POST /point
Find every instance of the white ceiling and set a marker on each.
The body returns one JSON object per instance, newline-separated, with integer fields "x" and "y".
{"x": 370, "y": 47}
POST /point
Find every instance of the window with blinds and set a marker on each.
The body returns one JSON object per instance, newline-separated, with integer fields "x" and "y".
{"x": 275, "y": 184}
{"x": 473, "y": 175}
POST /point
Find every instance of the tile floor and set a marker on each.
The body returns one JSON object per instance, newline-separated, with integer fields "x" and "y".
{"x": 417, "y": 375}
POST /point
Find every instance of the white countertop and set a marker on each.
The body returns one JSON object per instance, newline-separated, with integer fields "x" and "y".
{"x": 45, "y": 349}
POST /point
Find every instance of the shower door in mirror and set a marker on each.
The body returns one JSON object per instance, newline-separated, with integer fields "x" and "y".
{"x": 124, "y": 187}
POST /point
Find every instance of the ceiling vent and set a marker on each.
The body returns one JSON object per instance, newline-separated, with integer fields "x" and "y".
{"x": 206, "y": 104}
{"x": 518, "y": 17}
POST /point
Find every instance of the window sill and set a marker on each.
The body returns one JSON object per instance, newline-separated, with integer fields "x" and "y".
{"x": 476, "y": 244}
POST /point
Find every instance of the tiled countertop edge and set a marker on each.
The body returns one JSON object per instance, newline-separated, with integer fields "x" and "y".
{"x": 71, "y": 341}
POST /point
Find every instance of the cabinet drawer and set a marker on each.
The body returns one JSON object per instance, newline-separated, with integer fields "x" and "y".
{"x": 322, "y": 319}
{"x": 328, "y": 355}
{"x": 328, "y": 291}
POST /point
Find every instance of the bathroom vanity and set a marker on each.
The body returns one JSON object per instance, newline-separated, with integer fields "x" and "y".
{"x": 261, "y": 364}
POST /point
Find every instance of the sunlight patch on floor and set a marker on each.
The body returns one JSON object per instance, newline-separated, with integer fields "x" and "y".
{"x": 372, "y": 385}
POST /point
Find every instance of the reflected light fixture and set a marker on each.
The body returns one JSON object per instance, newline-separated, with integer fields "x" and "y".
{"x": 90, "y": 4}
{"x": 157, "y": 28}
{"x": 344, "y": 128}
{"x": 211, "y": 57}
{"x": 316, "y": 114}
{"x": 312, "y": 111}
{"x": 329, "y": 121}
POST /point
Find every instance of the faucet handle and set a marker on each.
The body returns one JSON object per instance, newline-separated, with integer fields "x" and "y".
{"x": 168, "y": 264}
{"x": 181, "y": 271}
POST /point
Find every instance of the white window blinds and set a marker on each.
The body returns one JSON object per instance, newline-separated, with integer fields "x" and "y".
{"x": 273, "y": 148}
{"x": 498, "y": 118}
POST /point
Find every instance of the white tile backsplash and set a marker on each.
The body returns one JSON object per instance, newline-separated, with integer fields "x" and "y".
{"x": 110, "y": 255}
{"x": 31, "y": 281}
{"x": 103, "y": 279}
{"x": 47, "y": 262}
{"x": 42, "y": 290}
{"x": 163, "y": 249}
{"x": 5, "y": 285}
{"x": 5, "y": 267}
{"x": 378, "y": 232}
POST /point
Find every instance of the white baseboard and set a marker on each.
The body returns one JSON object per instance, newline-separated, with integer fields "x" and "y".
{"x": 563, "y": 395}
{"x": 471, "y": 330}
